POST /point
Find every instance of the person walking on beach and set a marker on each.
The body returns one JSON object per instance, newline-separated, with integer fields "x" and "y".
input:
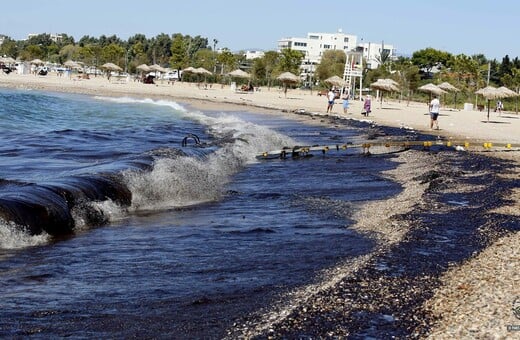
{"x": 330, "y": 98}
{"x": 345, "y": 103}
{"x": 499, "y": 107}
{"x": 435, "y": 106}
{"x": 367, "y": 106}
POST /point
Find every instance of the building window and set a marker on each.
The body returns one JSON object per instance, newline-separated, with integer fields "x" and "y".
{"x": 345, "y": 40}
{"x": 296, "y": 43}
{"x": 314, "y": 37}
{"x": 326, "y": 47}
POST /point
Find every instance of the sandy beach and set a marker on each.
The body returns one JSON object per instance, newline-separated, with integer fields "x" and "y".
{"x": 471, "y": 300}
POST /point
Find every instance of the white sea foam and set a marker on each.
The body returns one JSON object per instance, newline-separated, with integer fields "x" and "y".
{"x": 129, "y": 100}
{"x": 15, "y": 237}
{"x": 186, "y": 180}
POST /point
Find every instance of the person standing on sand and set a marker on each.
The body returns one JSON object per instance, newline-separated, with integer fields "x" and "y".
{"x": 330, "y": 98}
{"x": 345, "y": 104}
{"x": 499, "y": 107}
{"x": 367, "y": 106}
{"x": 435, "y": 106}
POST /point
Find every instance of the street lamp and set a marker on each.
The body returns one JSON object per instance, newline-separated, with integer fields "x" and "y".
{"x": 215, "y": 42}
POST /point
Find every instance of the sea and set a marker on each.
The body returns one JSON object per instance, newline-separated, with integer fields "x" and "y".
{"x": 130, "y": 217}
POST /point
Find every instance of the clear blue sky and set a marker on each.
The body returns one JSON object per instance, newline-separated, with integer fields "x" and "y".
{"x": 456, "y": 26}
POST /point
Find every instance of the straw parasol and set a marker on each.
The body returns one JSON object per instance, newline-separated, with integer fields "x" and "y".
{"x": 288, "y": 78}
{"x": 36, "y": 62}
{"x": 432, "y": 89}
{"x": 143, "y": 68}
{"x": 111, "y": 67}
{"x": 490, "y": 92}
{"x": 335, "y": 80}
{"x": 238, "y": 73}
{"x": 507, "y": 92}
{"x": 387, "y": 85}
{"x": 202, "y": 70}
{"x": 71, "y": 64}
{"x": 450, "y": 88}
{"x": 189, "y": 70}
{"x": 7, "y": 60}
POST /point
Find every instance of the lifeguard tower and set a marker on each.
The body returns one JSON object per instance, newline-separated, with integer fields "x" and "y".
{"x": 353, "y": 70}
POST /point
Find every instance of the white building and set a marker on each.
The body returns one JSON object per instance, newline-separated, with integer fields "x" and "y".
{"x": 254, "y": 54}
{"x": 372, "y": 53}
{"x": 315, "y": 44}
{"x": 54, "y": 37}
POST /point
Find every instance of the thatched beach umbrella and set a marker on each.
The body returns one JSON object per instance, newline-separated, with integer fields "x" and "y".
{"x": 36, "y": 62}
{"x": 450, "y": 88}
{"x": 490, "y": 92}
{"x": 7, "y": 60}
{"x": 387, "y": 85}
{"x": 288, "y": 78}
{"x": 238, "y": 73}
{"x": 111, "y": 67}
{"x": 432, "y": 89}
{"x": 143, "y": 68}
{"x": 202, "y": 70}
{"x": 335, "y": 81}
{"x": 507, "y": 92}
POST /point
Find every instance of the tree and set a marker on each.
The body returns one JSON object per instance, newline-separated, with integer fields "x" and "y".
{"x": 9, "y": 48}
{"x": 69, "y": 52}
{"x": 112, "y": 53}
{"x": 429, "y": 57}
{"x": 262, "y": 68}
{"x": 227, "y": 60}
{"x": 179, "y": 50}
{"x": 32, "y": 52}
{"x": 290, "y": 61}
{"x": 408, "y": 73}
{"x": 332, "y": 64}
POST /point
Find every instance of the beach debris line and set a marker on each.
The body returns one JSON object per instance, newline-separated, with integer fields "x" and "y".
{"x": 386, "y": 147}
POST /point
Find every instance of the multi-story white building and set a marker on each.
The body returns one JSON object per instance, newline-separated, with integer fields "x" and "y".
{"x": 372, "y": 53}
{"x": 315, "y": 44}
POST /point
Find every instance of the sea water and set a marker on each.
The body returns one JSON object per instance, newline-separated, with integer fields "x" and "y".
{"x": 111, "y": 226}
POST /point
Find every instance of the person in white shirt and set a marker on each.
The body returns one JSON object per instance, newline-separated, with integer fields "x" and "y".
{"x": 435, "y": 106}
{"x": 330, "y": 98}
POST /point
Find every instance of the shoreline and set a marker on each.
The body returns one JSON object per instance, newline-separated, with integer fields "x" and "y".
{"x": 484, "y": 263}
{"x": 455, "y": 124}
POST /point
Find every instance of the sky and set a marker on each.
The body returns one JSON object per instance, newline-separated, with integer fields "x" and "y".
{"x": 455, "y": 26}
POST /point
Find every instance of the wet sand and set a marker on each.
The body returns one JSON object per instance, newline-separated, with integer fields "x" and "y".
{"x": 447, "y": 262}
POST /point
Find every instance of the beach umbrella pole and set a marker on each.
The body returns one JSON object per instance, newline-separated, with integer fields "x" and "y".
{"x": 488, "y": 110}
